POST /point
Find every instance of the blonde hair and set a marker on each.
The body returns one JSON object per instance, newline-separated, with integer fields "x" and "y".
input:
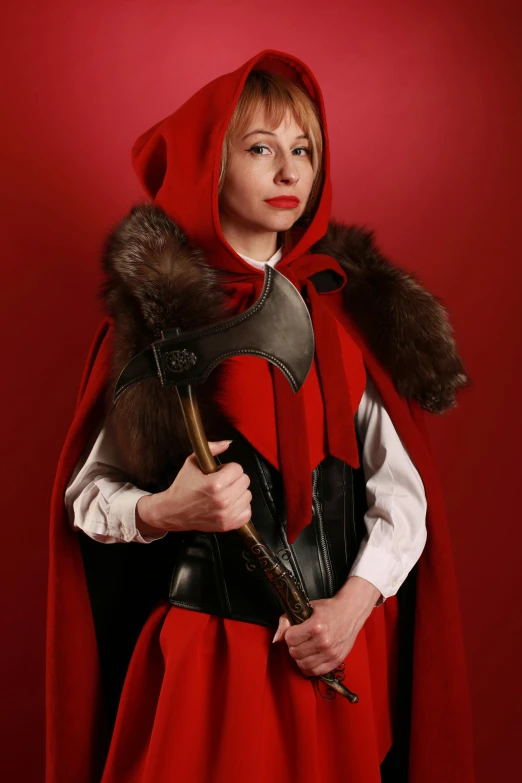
{"x": 277, "y": 95}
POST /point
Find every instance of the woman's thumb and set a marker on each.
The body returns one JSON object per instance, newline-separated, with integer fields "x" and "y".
{"x": 284, "y": 624}
{"x": 217, "y": 446}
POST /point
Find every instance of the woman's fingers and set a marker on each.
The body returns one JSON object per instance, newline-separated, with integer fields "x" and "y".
{"x": 310, "y": 629}
{"x": 312, "y": 646}
{"x": 284, "y": 625}
{"x": 315, "y": 665}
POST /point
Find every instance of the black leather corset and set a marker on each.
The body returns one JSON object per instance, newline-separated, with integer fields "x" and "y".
{"x": 213, "y": 571}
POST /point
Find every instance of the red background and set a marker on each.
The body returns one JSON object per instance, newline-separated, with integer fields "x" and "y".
{"x": 424, "y": 109}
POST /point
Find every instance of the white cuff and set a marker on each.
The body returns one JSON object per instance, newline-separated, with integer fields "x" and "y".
{"x": 122, "y": 515}
{"x": 381, "y": 569}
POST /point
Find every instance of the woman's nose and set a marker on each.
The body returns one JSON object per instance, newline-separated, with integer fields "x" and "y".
{"x": 288, "y": 172}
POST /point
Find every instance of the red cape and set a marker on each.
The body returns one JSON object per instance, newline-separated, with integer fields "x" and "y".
{"x": 77, "y": 723}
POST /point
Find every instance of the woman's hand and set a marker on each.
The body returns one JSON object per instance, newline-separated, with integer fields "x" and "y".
{"x": 321, "y": 643}
{"x": 213, "y": 502}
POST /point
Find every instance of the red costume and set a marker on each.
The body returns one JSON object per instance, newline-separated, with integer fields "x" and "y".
{"x": 215, "y": 685}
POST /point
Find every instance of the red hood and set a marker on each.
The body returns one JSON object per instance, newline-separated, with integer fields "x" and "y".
{"x": 178, "y": 160}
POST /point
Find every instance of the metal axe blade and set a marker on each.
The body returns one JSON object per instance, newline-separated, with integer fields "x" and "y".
{"x": 277, "y": 327}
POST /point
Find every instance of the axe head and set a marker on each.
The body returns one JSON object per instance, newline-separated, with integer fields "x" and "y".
{"x": 277, "y": 327}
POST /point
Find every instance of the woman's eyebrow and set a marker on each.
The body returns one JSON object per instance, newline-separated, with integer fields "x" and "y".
{"x": 270, "y": 133}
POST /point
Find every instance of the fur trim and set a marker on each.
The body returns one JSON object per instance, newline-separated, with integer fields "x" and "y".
{"x": 407, "y": 328}
{"x": 156, "y": 279}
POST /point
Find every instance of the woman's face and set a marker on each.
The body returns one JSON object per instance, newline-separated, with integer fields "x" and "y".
{"x": 264, "y": 164}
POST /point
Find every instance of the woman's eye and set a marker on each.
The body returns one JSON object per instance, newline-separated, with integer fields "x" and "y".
{"x": 262, "y": 147}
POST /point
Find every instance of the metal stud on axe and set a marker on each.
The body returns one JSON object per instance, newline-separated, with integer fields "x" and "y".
{"x": 278, "y": 328}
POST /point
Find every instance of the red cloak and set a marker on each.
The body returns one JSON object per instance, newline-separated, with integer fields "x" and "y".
{"x": 440, "y": 737}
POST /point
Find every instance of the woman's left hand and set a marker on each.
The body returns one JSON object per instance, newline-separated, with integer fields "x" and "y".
{"x": 319, "y": 644}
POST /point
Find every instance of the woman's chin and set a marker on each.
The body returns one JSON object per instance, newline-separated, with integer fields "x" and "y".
{"x": 282, "y": 223}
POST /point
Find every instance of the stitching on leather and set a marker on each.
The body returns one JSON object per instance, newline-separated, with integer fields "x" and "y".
{"x": 318, "y": 545}
{"x": 262, "y": 479}
{"x": 327, "y": 524}
{"x": 345, "y": 536}
{"x": 298, "y": 572}
{"x": 232, "y": 616}
{"x": 216, "y": 555}
{"x": 279, "y": 523}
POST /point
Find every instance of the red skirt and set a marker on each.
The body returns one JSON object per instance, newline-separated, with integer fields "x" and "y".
{"x": 212, "y": 700}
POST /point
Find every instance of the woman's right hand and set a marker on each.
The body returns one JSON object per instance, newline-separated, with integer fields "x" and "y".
{"x": 213, "y": 503}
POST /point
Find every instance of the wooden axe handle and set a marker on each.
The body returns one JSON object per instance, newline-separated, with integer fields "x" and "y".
{"x": 290, "y": 594}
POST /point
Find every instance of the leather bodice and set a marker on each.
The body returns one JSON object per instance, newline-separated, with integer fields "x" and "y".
{"x": 215, "y": 573}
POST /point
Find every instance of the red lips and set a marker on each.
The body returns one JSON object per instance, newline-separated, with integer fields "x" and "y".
{"x": 283, "y": 202}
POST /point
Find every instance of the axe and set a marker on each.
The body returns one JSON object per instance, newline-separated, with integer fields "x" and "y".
{"x": 278, "y": 328}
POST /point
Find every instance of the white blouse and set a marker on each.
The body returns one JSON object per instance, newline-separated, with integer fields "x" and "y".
{"x": 101, "y": 501}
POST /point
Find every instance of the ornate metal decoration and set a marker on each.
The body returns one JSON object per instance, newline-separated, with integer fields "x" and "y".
{"x": 325, "y": 690}
{"x": 180, "y": 361}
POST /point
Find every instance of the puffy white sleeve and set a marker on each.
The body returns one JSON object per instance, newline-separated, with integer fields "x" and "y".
{"x": 396, "y": 516}
{"x": 100, "y": 500}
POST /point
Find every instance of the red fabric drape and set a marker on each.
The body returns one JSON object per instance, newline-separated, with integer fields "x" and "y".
{"x": 295, "y": 431}
{"x": 208, "y": 698}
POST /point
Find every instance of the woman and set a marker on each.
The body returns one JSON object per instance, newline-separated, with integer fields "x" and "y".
{"x": 205, "y": 681}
